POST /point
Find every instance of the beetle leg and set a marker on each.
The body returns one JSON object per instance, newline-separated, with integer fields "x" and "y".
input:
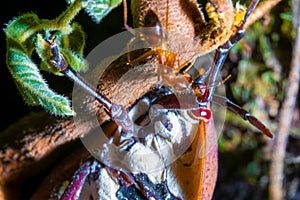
{"x": 219, "y": 59}
{"x": 74, "y": 189}
{"x": 116, "y": 112}
{"x": 222, "y": 52}
{"x": 125, "y": 14}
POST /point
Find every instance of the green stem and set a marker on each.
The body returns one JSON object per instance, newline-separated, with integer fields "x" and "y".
{"x": 67, "y": 16}
{"x": 61, "y": 23}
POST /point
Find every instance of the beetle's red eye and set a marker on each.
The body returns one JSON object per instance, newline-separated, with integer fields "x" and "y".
{"x": 202, "y": 113}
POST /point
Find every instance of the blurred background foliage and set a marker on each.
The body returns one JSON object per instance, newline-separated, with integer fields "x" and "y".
{"x": 258, "y": 67}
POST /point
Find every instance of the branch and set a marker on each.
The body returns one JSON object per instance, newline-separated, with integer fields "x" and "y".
{"x": 262, "y": 9}
{"x": 285, "y": 117}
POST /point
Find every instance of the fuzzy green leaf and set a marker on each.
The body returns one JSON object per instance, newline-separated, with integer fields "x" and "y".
{"x": 23, "y": 29}
{"x": 72, "y": 48}
{"x": 98, "y": 9}
{"x": 74, "y": 60}
{"x": 26, "y": 35}
{"x": 75, "y": 40}
{"x": 33, "y": 87}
